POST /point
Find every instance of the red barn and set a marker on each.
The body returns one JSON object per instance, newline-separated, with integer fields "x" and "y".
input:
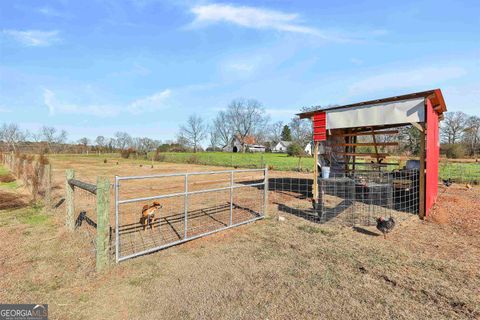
{"x": 340, "y": 128}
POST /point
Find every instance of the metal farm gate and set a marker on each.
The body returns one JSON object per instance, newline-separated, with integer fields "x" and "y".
{"x": 193, "y": 205}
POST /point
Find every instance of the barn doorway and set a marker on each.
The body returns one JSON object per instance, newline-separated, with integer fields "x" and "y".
{"x": 235, "y": 149}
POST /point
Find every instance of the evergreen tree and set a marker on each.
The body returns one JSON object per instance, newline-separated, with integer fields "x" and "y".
{"x": 286, "y": 133}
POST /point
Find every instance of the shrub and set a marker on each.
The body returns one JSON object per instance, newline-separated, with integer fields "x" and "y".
{"x": 295, "y": 150}
{"x": 455, "y": 151}
{"x": 193, "y": 159}
{"x": 127, "y": 152}
{"x": 159, "y": 156}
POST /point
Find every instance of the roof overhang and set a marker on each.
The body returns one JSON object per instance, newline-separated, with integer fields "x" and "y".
{"x": 435, "y": 97}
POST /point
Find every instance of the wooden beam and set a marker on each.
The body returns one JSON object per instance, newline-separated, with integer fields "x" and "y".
{"x": 315, "y": 172}
{"x": 365, "y": 133}
{"x": 421, "y": 204}
{"x": 418, "y": 126}
{"x": 364, "y": 154}
{"x": 366, "y": 144}
{"x": 383, "y": 164}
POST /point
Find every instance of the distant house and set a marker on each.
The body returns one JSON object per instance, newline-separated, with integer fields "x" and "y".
{"x": 249, "y": 145}
{"x": 282, "y": 146}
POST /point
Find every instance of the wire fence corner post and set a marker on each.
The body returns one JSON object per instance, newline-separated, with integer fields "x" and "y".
{"x": 265, "y": 189}
{"x": 185, "y": 204}
{"x": 103, "y": 228}
{"x": 117, "y": 238}
{"x": 69, "y": 200}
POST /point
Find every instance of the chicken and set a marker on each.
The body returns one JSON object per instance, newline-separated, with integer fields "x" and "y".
{"x": 447, "y": 182}
{"x": 385, "y": 225}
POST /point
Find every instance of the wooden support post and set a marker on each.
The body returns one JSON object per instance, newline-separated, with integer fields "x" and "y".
{"x": 421, "y": 203}
{"x": 315, "y": 172}
{"x": 69, "y": 201}
{"x": 47, "y": 175}
{"x": 103, "y": 223}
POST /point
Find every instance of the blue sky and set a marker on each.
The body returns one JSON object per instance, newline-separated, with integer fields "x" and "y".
{"x": 143, "y": 66}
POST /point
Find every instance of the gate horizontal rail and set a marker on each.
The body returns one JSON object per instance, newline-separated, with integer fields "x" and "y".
{"x": 253, "y": 210}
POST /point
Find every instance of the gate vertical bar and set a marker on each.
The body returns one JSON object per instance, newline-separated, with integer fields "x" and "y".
{"x": 265, "y": 189}
{"x": 185, "y": 207}
{"x": 117, "y": 239}
{"x": 231, "y": 198}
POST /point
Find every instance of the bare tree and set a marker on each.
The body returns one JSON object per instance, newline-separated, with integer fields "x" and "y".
{"x": 453, "y": 126}
{"x": 123, "y": 140}
{"x": 52, "y": 137}
{"x": 471, "y": 134}
{"x": 84, "y": 141}
{"x": 193, "y": 133}
{"x": 275, "y": 131}
{"x": 12, "y": 135}
{"x": 101, "y": 141}
{"x": 301, "y": 130}
{"x": 223, "y": 128}
{"x": 214, "y": 137}
{"x": 247, "y": 117}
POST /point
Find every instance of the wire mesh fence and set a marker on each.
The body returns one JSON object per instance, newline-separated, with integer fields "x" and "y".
{"x": 347, "y": 199}
{"x": 154, "y": 212}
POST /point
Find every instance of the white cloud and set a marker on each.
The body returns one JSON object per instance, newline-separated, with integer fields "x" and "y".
{"x": 52, "y": 12}
{"x": 424, "y": 77}
{"x": 5, "y": 110}
{"x": 151, "y": 103}
{"x": 252, "y": 17}
{"x": 34, "y": 38}
{"x": 55, "y": 106}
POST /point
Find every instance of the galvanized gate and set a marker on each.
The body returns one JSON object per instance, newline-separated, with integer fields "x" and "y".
{"x": 193, "y": 205}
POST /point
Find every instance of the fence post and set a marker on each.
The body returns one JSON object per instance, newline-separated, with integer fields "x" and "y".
{"x": 265, "y": 188}
{"x": 103, "y": 227}
{"x": 185, "y": 204}
{"x": 231, "y": 198}
{"x": 47, "y": 174}
{"x": 69, "y": 200}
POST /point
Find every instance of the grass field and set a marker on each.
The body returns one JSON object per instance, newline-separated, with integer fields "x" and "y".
{"x": 292, "y": 269}
{"x": 460, "y": 171}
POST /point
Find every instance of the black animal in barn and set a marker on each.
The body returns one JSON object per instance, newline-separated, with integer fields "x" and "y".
{"x": 385, "y": 225}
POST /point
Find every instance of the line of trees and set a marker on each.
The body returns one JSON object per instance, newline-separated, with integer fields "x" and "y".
{"x": 244, "y": 119}
{"x": 460, "y": 134}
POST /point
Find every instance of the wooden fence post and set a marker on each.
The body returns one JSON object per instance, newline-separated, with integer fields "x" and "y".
{"x": 103, "y": 222}
{"x": 69, "y": 201}
{"x": 47, "y": 175}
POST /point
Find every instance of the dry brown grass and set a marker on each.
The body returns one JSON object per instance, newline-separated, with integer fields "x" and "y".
{"x": 269, "y": 269}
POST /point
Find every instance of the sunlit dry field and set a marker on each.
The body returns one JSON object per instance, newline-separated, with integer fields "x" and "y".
{"x": 292, "y": 269}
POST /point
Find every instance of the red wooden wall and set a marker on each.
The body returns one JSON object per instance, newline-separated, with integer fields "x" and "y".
{"x": 432, "y": 158}
{"x": 320, "y": 126}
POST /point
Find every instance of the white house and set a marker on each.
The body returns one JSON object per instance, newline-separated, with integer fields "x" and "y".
{"x": 282, "y": 146}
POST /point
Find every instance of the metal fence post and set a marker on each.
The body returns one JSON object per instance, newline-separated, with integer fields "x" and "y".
{"x": 231, "y": 197}
{"x": 185, "y": 225}
{"x": 117, "y": 233}
{"x": 103, "y": 228}
{"x": 265, "y": 189}
{"x": 69, "y": 200}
